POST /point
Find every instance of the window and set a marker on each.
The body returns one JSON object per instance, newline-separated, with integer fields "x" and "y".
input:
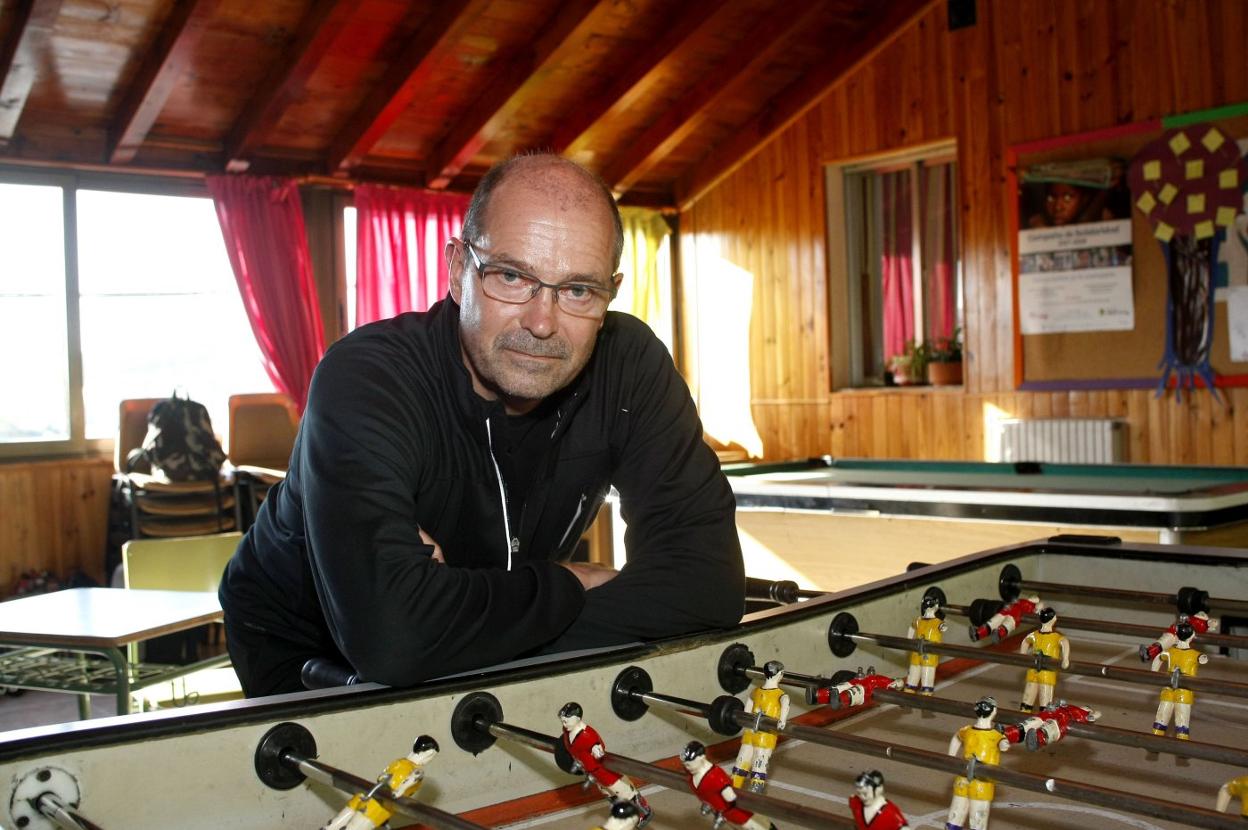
{"x": 895, "y": 264}
{"x": 150, "y": 307}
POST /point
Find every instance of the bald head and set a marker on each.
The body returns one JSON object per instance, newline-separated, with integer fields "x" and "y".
{"x": 562, "y": 183}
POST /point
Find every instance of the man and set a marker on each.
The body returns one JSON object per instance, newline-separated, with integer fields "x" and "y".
{"x": 1040, "y": 683}
{"x": 870, "y": 808}
{"x": 714, "y": 789}
{"x": 768, "y": 700}
{"x": 402, "y": 777}
{"x": 585, "y": 747}
{"x": 448, "y": 462}
{"x": 972, "y": 799}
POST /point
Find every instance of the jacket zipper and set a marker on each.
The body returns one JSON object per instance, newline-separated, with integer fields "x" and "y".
{"x": 580, "y": 506}
{"x": 513, "y": 544}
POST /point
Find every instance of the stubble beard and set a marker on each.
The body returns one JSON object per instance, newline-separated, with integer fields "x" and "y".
{"x": 510, "y": 376}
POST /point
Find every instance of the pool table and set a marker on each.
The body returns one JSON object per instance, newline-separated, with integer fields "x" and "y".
{"x": 836, "y": 523}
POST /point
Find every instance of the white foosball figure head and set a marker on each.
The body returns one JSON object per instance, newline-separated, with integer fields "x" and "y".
{"x": 929, "y": 607}
{"x": 570, "y": 715}
{"x": 1183, "y": 633}
{"x": 423, "y": 750}
{"x": 624, "y": 816}
{"x": 985, "y": 711}
{"x": 693, "y": 756}
{"x": 773, "y": 673}
{"x": 869, "y": 786}
{"x": 1048, "y": 619}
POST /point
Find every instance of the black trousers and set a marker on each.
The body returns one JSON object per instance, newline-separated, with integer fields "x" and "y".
{"x": 265, "y": 665}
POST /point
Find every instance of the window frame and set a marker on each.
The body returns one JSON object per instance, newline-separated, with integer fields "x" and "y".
{"x": 843, "y": 237}
{"x": 70, "y": 182}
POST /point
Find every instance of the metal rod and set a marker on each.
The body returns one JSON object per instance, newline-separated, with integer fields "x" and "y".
{"x": 1234, "y": 605}
{"x": 51, "y": 808}
{"x": 1073, "y": 790}
{"x": 1089, "y": 731}
{"x": 1148, "y": 632}
{"x": 770, "y": 807}
{"x": 348, "y": 783}
{"x": 1043, "y": 663}
{"x": 679, "y": 704}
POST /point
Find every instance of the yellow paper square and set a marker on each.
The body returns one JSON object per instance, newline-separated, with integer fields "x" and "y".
{"x": 1146, "y": 203}
{"x": 1204, "y": 229}
{"x": 1226, "y": 216}
{"x": 1194, "y": 169}
{"x": 1228, "y": 179}
{"x": 1163, "y": 232}
{"x": 1152, "y": 170}
{"x": 1195, "y": 203}
{"x": 1179, "y": 143}
{"x": 1213, "y": 139}
{"x": 1167, "y": 194}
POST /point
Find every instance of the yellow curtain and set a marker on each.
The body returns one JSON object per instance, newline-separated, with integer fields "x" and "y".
{"x": 643, "y": 268}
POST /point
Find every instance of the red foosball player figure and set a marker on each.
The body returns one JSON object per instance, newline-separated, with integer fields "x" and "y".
{"x": 1049, "y": 725}
{"x": 586, "y": 748}
{"x": 1183, "y": 658}
{"x": 713, "y": 788}
{"x": 750, "y": 770}
{"x": 972, "y": 799}
{"x": 1200, "y": 623}
{"x": 624, "y": 816}
{"x": 1235, "y": 788}
{"x": 858, "y": 691}
{"x": 929, "y": 626}
{"x": 1000, "y": 624}
{"x": 871, "y": 810}
{"x": 1053, "y": 645}
{"x": 403, "y": 777}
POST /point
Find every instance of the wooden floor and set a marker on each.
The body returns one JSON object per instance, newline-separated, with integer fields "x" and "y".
{"x": 822, "y": 777}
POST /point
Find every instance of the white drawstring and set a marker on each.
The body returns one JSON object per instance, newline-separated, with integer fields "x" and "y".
{"x": 502, "y": 492}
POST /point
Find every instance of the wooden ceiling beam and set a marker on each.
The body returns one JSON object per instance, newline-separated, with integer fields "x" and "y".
{"x": 26, "y": 40}
{"x": 701, "y": 102}
{"x": 320, "y": 26}
{"x": 412, "y": 71}
{"x": 630, "y": 85}
{"x": 489, "y": 112}
{"x": 795, "y": 100}
{"x": 159, "y": 73}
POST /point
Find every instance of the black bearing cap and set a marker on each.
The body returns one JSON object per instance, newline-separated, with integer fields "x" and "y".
{"x": 1008, "y": 584}
{"x": 632, "y": 680}
{"x": 470, "y": 722}
{"x": 1192, "y": 601}
{"x": 843, "y": 625}
{"x": 722, "y": 715}
{"x": 284, "y": 738}
{"x": 732, "y": 665}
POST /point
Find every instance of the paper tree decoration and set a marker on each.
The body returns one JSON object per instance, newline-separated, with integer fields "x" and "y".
{"x": 1187, "y": 182}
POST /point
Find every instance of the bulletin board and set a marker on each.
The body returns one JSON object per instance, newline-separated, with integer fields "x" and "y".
{"x": 1123, "y": 359}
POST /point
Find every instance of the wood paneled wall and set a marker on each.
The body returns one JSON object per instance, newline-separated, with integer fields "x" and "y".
{"x": 53, "y": 515}
{"x": 1029, "y": 69}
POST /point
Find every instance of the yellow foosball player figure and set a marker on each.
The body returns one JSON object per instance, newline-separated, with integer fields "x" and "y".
{"x": 402, "y": 777}
{"x": 769, "y": 700}
{"x": 929, "y": 626}
{"x": 1052, "y": 644}
{"x": 624, "y": 816}
{"x": 1177, "y": 703}
{"x": 1235, "y": 788}
{"x": 972, "y": 799}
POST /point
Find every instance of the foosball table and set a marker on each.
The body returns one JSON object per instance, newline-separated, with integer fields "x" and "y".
{"x": 904, "y": 696}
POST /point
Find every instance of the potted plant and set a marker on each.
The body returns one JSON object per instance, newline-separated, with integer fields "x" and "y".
{"x": 944, "y": 360}
{"x": 910, "y": 367}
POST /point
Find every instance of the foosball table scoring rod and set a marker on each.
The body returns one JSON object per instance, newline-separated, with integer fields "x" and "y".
{"x": 633, "y": 690}
{"x": 286, "y": 757}
{"x": 63, "y": 816}
{"x": 478, "y": 721}
{"x": 737, "y": 661}
{"x": 843, "y": 637}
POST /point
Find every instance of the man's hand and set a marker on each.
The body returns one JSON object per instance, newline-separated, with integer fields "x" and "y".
{"x": 437, "y": 549}
{"x": 590, "y": 576}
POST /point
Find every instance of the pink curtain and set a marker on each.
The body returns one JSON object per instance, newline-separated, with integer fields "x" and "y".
{"x": 897, "y": 262}
{"x": 262, "y": 222}
{"x": 938, "y": 248}
{"x": 398, "y": 230}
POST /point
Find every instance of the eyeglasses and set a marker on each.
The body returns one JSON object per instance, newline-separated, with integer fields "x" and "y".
{"x": 509, "y": 285}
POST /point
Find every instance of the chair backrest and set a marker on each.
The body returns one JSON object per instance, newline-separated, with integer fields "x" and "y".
{"x": 262, "y": 429}
{"x": 131, "y": 430}
{"x": 186, "y": 563}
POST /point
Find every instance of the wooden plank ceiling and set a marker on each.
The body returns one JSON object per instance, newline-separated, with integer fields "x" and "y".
{"x": 659, "y": 96}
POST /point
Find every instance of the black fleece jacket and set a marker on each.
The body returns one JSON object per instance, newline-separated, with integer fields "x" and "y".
{"x": 394, "y": 439}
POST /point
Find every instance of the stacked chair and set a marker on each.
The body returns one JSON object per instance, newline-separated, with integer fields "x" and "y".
{"x": 161, "y": 508}
{"x": 262, "y": 435}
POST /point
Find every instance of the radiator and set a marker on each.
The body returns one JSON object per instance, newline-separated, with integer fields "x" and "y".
{"x": 1064, "y": 440}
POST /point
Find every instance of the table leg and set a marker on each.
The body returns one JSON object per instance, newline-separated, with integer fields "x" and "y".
{"x": 122, "y": 667}
{"x": 84, "y": 700}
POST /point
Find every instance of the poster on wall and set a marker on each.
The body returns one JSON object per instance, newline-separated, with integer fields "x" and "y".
{"x": 1074, "y": 247}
